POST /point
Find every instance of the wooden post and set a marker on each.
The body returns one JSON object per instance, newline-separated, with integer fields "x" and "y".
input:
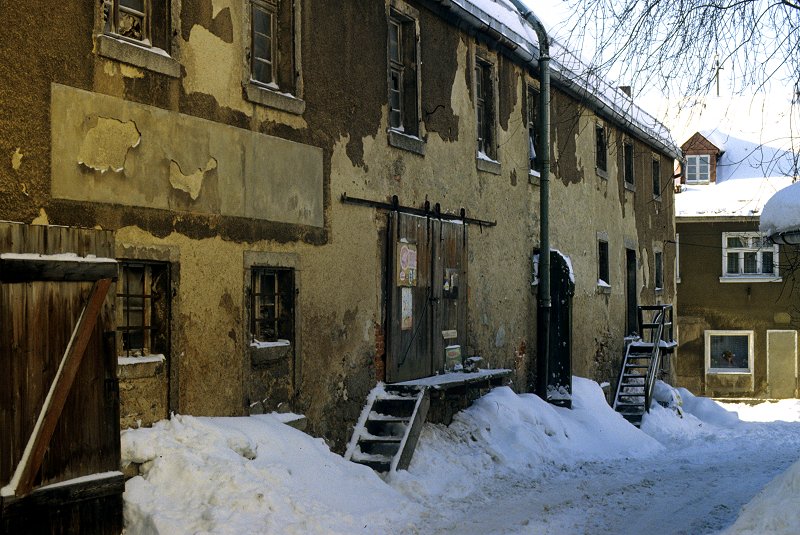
{"x": 22, "y": 482}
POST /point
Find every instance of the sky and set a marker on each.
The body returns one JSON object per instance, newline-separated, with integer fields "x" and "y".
{"x": 510, "y": 464}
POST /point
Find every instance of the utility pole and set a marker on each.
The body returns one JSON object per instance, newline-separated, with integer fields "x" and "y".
{"x": 717, "y": 68}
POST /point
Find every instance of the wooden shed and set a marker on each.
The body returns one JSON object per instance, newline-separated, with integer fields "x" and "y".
{"x": 59, "y": 397}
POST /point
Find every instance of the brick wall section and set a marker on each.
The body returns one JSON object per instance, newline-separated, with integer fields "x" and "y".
{"x": 380, "y": 353}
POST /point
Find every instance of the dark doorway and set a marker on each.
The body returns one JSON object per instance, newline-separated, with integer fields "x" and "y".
{"x": 630, "y": 292}
{"x": 559, "y": 366}
{"x": 426, "y": 295}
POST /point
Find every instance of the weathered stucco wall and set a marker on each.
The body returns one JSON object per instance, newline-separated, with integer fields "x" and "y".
{"x": 200, "y": 165}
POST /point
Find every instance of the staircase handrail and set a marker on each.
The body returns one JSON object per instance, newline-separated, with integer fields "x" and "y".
{"x": 655, "y": 361}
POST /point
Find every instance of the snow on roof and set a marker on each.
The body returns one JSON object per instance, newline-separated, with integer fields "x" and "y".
{"x": 570, "y": 70}
{"x": 782, "y": 211}
{"x": 760, "y": 154}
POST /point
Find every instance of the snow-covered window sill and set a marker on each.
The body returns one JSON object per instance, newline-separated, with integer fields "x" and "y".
{"x": 265, "y": 95}
{"x": 487, "y": 164}
{"x": 630, "y": 187}
{"x": 140, "y": 367}
{"x": 265, "y": 353}
{"x": 150, "y": 58}
{"x": 770, "y": 278}
{"x": 603, "y": 287}
{"x": 724, "y": 371}
{"x": 404, "y": 141}
{"x": 534, "y": 177}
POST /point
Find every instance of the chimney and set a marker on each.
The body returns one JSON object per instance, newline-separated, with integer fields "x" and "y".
{"x": 627, "y": 90}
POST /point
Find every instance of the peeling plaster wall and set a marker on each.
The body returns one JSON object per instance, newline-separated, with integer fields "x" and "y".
{"x": 189, "y": 130}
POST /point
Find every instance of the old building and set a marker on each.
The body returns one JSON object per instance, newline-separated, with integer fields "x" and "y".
{"x": 738, "y": 336}
{"x": 308, "y": 198}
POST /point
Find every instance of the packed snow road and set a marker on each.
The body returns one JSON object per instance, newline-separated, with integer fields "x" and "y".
{"x": 688, "y": 489}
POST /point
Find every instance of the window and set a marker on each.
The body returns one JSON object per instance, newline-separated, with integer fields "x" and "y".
{"x": 274, "y": 76}
{"x": 659, "y": 271}
{"x": 601, "y": 151}
{"x": 698, "y": 169}
{"x": 749, "y": 256}
{"x": 533, "y": 130}
{"x": 656, "y": 178}
{"x": 403, "y": 69}
{"x": 143, "y": 308}
{"x": 677, "y": 257}
{"x": 484, "y": 108}
{"x": 627, "y": 154}
{"x": 272, "y": 305}
{"x": 729, "y": 351}
{"x": 603, "y": 277}
{"x": 144, "y": 22}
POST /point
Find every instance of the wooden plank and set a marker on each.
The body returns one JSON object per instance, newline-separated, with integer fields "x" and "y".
{"x": 22, "y": 483}
{"x": 25, "y": 269}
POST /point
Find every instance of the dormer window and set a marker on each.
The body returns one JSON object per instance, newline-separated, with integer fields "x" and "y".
{"x": 698, "y": 169}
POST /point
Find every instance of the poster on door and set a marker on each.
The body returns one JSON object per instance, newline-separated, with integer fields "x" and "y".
{"x": 406, "y": 264}
{"x": 407, "y": 307}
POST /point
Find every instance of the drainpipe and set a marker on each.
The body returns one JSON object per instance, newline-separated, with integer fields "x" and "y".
{"x": 544, "y": 304}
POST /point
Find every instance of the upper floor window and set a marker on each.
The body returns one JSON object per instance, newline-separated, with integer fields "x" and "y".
{"x": 484, "y": 108}
{"x": 533, "y": 130}
{"x": 601, "y": 148}
{"x": 748, "y": 255}
{"x": 656, "y": 173}
{"x": 403, "y": 77}
{"x": 698, "y": 168}
{"x": 603, "y": 275}
{"x": 659, "y": 270}
{"x": 273, "y": 77}
{"x": 144, "y": 22}
{"x": 627, "y": 154}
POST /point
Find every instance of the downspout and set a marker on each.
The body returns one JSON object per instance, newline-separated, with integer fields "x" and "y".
{"x": 544, "y": 304}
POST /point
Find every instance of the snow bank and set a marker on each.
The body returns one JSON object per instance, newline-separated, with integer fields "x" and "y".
{"x": 785, "y": 410}
{"x": 782, "y": 211}
{"x": 708, "y": 410}
{"x": 774, "y": 509}
{"x": 250, "y": 475}
{"x": 504, "y": 433}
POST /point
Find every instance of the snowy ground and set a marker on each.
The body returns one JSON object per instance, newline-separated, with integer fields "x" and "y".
{"x": 509, "y": 464}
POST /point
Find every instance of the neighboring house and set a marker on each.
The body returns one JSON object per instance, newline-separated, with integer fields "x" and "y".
{"x": 737, "y": 333}
{"x": 311, "y": 197}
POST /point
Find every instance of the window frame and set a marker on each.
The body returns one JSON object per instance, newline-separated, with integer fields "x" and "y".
{"x": 285, "y": 92}
{"x": 694, "y": 161}
{"x": 282, "y": 276}
{"x": 741, "y": 275}
{"x": 656, "y": 176}
{"x": 658, "y": 271}
{"x": 404, "y": 122}
{"x": 601, "y": 150}
{"x": 532, "y": 113}
{"x": 709, "y": 370}
{"x": 149, "y": 326}
{"x": 603, "y": 263}
{"x": 485, "y": 93}
{"x": 628, "y": 165}
{"x": 270, "y": 9}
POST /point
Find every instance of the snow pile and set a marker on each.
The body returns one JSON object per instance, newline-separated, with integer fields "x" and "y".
{"x": 774, "y": 509}
{"x": 782, "y": 211}
{"x": 250, "y": 475}
{"x": 504, "y": 433}
{"x": 785, "y": 410}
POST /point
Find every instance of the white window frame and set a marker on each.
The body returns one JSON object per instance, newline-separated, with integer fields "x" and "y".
{"x": 729, "y": 371}
{"x": 741, "y": 276}
{"x": 695, "y": 161}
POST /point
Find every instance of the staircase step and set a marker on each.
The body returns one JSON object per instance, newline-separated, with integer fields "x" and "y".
{"x": 380, "y": 417}
{"x": 378, "y": 466}
{"x": 379, "y": 439}
{"x": 630, "y": 404}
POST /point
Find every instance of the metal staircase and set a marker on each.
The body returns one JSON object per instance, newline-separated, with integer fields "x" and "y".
{"x": 644, "y": 362}
{"x": 387, "y": 431}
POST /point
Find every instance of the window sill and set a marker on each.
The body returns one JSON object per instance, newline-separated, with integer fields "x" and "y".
{"x": 534, "y": 177}
{"x": 263, "y": 356}
{"x": 659, "y": 291}
{"x": 140, "y": 367}
{"x": 769, "y": 278}
{"x": 657, "y": 198}
{"x": 603, "y": 289}
{"x": 630, "y": 187}
{"x": 601, "y": 173}
{"x": 261, "y": 94}
{"x": 697, "y": 182}
{"x": 150, "y": 58}
{"x": 487, "y": 165}
{"x": 732, "y": 371}
{"x": 407, "y": 142}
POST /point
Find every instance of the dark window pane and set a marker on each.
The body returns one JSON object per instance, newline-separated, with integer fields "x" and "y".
{"x": 750, "y": 262}
{"x": 767, "y": 262}
{"x": 729, "y": 351}
{"x": 733, "y": 263}
{"x": 602, "y": 254}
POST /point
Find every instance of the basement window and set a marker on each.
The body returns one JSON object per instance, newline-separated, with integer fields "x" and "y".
{"x": 729, "y": 352}
{"x": 272, "y": 306}
{"x": 143, "y": 308}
